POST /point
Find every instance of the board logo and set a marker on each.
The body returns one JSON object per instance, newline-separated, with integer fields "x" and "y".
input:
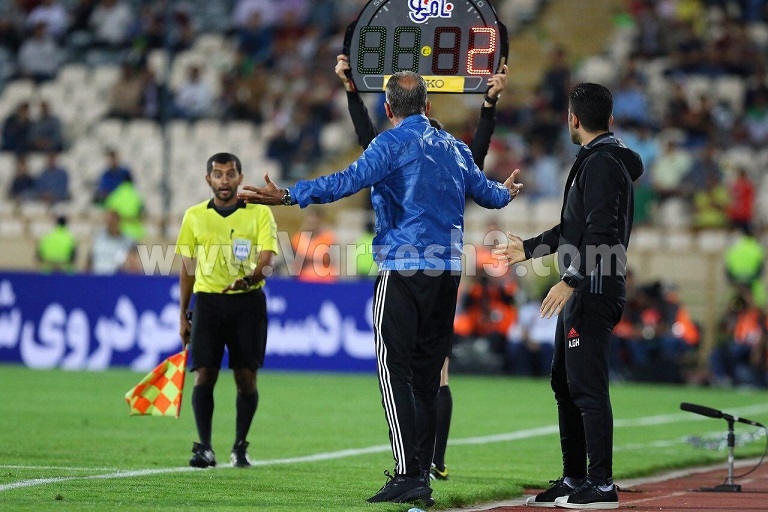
{"x": 423, "y": 10}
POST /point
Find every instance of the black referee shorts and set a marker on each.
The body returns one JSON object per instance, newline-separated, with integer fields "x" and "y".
{"x": 235, "y": 321}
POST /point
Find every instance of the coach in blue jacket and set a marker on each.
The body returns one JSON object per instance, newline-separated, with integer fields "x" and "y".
{"x": 420, "y": 177}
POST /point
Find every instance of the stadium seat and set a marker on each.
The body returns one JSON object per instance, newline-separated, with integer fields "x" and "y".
{"x": 77, "y": 75}
{"x": 18, "y": 91}
{"x": 110, "y": 132}
{"x": 11, "y": 227}
{"x": 697, "y": 86}
{"x": 731, "y": 90}
{"x": 713, "y": 240}
{"x": 645, "y": 239}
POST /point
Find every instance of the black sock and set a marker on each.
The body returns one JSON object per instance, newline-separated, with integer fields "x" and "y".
{"x": 202, "y": 405}
{"x": 444, "y": 410}
{"x": 246, "y": 409}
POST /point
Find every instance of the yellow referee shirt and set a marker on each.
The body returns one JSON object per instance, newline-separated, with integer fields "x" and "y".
{"x": 226, "y": 248}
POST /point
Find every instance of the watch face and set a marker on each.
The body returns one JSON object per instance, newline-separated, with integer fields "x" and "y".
{"x": 454, "y": 44}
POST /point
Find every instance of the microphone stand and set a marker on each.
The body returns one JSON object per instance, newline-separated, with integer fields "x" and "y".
{"x": 728, "y": 486}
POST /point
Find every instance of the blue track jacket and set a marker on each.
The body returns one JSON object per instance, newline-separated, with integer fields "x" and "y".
{"x": 420, "y": 177}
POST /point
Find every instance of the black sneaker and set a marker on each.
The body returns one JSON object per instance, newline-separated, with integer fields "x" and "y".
{"x": 401, "y": 489}
{"x": 239, "y": 456}
{"x": 546, "y": 499}
{"x": 588, "y": 496}
{"x": 202, "y": 456}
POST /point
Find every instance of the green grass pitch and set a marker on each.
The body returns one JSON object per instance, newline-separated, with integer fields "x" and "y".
{"x": 319, "y": 442}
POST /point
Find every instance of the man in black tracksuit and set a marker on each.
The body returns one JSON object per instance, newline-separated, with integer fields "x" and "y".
{"x": 591, "y": 242}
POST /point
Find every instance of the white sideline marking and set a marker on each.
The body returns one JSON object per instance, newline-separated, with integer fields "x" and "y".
{"x": 352, "y": 452}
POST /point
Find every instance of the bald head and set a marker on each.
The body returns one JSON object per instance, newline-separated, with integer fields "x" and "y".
{"x": 406, "y": 94}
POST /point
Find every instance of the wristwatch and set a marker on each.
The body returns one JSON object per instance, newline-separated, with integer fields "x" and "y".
{"x": 570, "y": 280}
{"x": 287, "y": 200}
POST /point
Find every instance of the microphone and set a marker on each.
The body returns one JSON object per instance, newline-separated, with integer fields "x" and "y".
{"x": 714, "y": 413}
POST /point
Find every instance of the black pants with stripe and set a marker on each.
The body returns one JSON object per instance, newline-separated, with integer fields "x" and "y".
{"x": 413, "y": 326}
{"x": 580, "y": 382}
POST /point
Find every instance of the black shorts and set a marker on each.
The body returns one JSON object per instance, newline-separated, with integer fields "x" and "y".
{"x": 235, "y": 321}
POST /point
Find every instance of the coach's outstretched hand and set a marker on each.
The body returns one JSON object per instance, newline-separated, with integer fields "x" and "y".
{"x": 511, "y": 252}
{"x": 270, "y": 194}
{"x": 514, "y": 188}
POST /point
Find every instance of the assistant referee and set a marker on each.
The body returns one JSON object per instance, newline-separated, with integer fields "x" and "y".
{"x": 230, "y": 246}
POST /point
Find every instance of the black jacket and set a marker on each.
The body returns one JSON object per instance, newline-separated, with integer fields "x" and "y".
{"x": 596, "y": 219}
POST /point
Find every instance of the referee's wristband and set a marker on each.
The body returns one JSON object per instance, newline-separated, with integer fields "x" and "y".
{"x": 490, "y": 100}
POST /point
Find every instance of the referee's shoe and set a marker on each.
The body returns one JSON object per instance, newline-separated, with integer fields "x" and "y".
{"x": 202, "y": 456}
{"x": 239, "y": 456}
{"x": 403, "y": 489}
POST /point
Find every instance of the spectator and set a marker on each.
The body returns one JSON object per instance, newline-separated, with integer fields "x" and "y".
{"x": 113, "y": 175}
{"x": 126, "y": 96}
{"x": 756, "y": 119}
{"x": 243, "y": 90}
{"x": 110, "y": 247}
{"x": 80, "y": 16}
{"x": 313, "y": 258}
{"x": 244, "y": 11}
{"x": 742, "y": 208}
{"x": 630, "y": 102}
{"x": 295, "y": 145}
{"x": 706, "y": 166}
{"x": 23, "y": 185}
{"x": 255, "y": 40}
{"x": 151, "y": 93}
{"x": 194, "y": 98}
{"x": 52, "y": 184}
{"x": 40, "y": 56}
{"x": 126, "y": 200}
{"x": 110, "y": 21}
{"x": 57, "y": 249}
{"x": 132, "y": 264}
{"x": 546, "y": 172}
{"x": 11, "y": 27}
{"x": 556, "y": 81}
{"x": 52, "y": 15}
{"x": 46, "y": 133}
{"x": 487, "y": 311}
{"x": 744, "y": 264}
{"x": 710, "y": 205}
{"x": 670, "y": 167}
{"x": 740, "y": 357}
{"x": 16, "y": 129}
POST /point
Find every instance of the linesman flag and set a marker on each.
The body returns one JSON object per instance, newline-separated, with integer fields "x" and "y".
{"x": 159, "y": 393}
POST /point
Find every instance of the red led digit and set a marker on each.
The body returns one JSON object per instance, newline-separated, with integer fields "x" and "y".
{"x": 376, "y": 48}
{"x": 412, "y": 50}
{"x": 444, "y": 49}
{"x": 473, "y": 52}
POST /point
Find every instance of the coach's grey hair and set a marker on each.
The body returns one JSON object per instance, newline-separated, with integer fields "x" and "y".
{"x": 406, "y": 94}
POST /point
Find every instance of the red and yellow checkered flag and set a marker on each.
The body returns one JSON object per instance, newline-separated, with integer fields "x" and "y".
{"x": 159, "y": 393}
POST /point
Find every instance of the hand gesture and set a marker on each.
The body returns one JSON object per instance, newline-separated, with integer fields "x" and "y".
{"x": 497, "y": 82}
{"x": 270, "y": 194}
{"x": 239, "y": 284}
{"x": 511, "y": 252}
{"x": 514, "y": 188}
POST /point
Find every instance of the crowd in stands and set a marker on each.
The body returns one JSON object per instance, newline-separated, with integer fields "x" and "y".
{"x": 690, "y": 95}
